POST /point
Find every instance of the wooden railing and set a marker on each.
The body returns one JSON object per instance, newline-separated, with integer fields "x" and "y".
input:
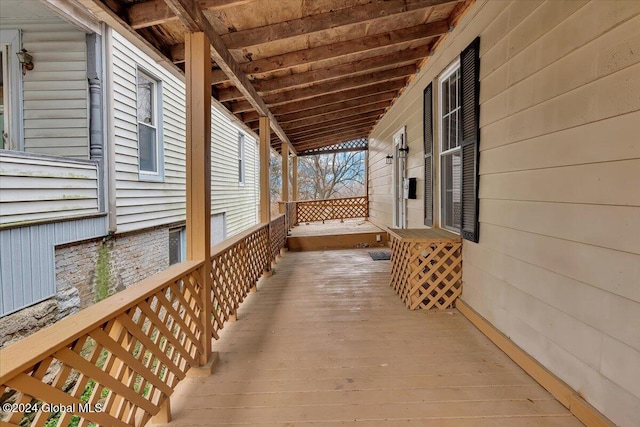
{"x": 323, "y": 210}
{"x": 116, "y": 362}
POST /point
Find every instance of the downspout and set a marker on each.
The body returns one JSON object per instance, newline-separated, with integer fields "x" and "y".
{"x": 98, "y": 74}
{"x": 96, "y": 134}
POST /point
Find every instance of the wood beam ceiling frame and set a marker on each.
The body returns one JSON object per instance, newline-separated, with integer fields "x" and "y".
{"x": 330, "y": 51}
{"x": 316, "y": 100}
{"x": 323, "y": 109}
{"x": 194, "y": 20}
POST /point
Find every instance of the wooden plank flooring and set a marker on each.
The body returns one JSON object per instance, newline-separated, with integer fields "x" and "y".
{"x": 326, "y": 341}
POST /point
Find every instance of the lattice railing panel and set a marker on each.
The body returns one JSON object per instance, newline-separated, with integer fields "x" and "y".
{"x": 116, "y": 371}
{"x": 278, "y": 235}
{"x": 291, "y": 212}
{"x": 426, "y": 274}
{"x": 234, "y": 270}
{"x": 360, "y": 144}
{"x": 323, "y": 210}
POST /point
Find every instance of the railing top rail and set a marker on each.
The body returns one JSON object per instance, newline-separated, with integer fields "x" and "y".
{"x": 331, "y": 200}
{"x": 21, "y": 355}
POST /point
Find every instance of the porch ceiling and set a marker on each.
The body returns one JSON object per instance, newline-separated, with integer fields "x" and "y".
{"x": 324, "y": 71}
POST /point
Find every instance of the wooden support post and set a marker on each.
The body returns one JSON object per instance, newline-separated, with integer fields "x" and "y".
{"x": 198, "y": 150}
{"x": 265, "y": 154}
{"x": 265, "y": 181}
{"x": 294, "y": 182}
{"x": 164, "y": 416}
{"x": 285, "y": 173}
{"x": 366, "y": 180}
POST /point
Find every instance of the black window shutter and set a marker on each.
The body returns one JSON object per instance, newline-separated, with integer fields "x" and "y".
{"x": 428, "y": 155}
{"x": 470, "y": 129}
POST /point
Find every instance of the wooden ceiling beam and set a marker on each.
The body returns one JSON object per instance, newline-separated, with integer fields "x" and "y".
{"x": 191, "y": 15}
{"x": 157, "y": 12}
{"x": 338, "y": 128}
{"x": 338, "y": 117}
{"x": 242, "y": 106}
{"x": 338, "y": 86}
{"x": 346, "y": 107}
{"x": 326, "y": 87}
{"x": 368, "y": 13}
{"x": 329, "y": 51}
{"x": 252, "y": 116}
{"x": 379, "y": 62}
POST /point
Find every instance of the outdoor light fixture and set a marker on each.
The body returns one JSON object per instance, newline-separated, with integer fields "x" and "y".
{"x": 388, "y": 159}
{"x": 26, "y": 60}
{"x": 402, "y": 152}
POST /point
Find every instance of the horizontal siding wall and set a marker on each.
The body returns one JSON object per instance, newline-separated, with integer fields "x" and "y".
{"x": 38, "y": 188}
{"x": 56, "y": 106}
{"x": 142, "y": 204}
{"x": 27, "y": 264}
{"x": 237, "y": 202}
{"x": 557, "y": 268}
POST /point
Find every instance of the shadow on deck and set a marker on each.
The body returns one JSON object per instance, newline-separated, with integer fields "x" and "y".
{"x": 326, "y": 341}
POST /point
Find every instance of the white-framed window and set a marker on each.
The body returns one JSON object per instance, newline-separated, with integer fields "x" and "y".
{"x": 10, "y": 91}
{"x": 5, "y": 90}
{"x": 450, "y": 138}
{"x": 148, "y": 107}
{"x": 241, "y": 159}
{"x": 177, "y": 245}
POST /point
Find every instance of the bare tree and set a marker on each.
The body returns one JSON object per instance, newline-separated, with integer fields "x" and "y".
{"x": 323, "y": 176}
{"x": 327, "y": 176}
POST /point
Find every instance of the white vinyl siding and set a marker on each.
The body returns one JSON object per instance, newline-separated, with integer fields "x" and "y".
{"x": 56, "y": 106}
{"x": 142, "y": 204}
{"x": 228, "y": 195}
{"x": 36, "y": 188}
{"x": 557, "y": 265}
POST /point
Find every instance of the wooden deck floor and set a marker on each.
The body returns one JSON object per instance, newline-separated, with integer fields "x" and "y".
{"x": 326, "y": 341}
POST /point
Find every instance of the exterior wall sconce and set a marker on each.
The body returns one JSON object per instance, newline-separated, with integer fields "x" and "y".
{"x": 26, "y": 60}
{"x": 388, "y": 159}
{"x": 402, "y": 152}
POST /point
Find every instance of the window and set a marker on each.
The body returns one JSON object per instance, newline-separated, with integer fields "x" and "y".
{"x": 10, "y": 90}
{"x": 177, "y": 245}
{"x": 458, "y": 116}
{"x": 241, "y": 163}
{"x": 149, "y": 148}
{"x": 4, "y": 95}
{"x": 450, "y": 172}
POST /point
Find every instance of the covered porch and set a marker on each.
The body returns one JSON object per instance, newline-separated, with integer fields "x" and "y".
{"x": 247, "y": 332}
{"x": 325, "y": 341}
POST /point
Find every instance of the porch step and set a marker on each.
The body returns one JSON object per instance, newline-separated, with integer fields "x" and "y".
{"x": 337, "y": 241}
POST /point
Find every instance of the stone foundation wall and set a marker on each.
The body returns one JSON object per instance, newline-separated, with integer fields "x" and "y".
{"x": 87, "y": 272}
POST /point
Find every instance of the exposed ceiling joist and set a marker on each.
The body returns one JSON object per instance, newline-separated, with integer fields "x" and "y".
{"x": 323, "y": 109}
{"x": 330, "y": 86}
{"x": 344, "y": 106}
{"x": 321, "y": 53}
{"x": 330, "y": 98}
{"x": 335, "y": 117}
{"x": 343, "y": 70}
{"x": 323, "y": 21}
{"x": 193, "y": 18}
{"x": 157, "y": 12}
{"x": 336, "y": 128}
